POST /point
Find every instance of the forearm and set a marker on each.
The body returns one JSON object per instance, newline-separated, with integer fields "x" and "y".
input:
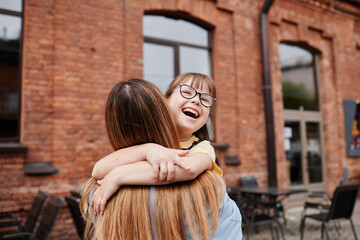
{"x": 140, "y": 173}
{"x": 120, "y": 157}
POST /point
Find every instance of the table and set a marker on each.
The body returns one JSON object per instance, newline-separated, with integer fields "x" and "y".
{"x": 273, "y": 193}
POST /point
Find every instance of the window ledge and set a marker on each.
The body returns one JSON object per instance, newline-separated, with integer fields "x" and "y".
{"x": 220, "y": 146}
{"x": 13, "y": 148}
{"x": 232, "y": 160}
{"x": 39, "y": 168}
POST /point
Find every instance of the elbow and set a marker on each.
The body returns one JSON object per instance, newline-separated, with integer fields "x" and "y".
{"x": 95, "y": 173}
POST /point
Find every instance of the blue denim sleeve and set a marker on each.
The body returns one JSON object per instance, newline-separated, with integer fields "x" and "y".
{"x": 229, "y": 225}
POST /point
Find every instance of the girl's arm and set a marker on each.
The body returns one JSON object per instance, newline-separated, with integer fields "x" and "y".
{"x": 159, "y": 157}
{"x": 140, "y": 173}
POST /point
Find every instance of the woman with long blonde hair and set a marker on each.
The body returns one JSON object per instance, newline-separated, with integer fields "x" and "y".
{"x": 137, "y": 113}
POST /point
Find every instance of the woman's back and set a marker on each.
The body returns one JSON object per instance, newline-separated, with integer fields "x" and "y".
{"x": 136, "y": 113}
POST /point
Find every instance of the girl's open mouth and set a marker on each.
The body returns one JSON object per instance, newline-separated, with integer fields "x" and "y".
{"x": 191, "y": 113}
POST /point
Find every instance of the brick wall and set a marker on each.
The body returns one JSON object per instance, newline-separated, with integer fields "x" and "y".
{"x": 75, "y": 51}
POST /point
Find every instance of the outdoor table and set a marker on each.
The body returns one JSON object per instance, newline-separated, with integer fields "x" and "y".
{"x": 273, "y": 193}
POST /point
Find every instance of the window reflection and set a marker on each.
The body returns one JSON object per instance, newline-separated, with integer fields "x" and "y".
{"x": 313, "y": 152}
{"x": 12, "y": 5}
{"x": 172, "y": 47}
{"x": 10, "y": 27}
{"x": 194, "y": 60}
{"x": 298, "y": 78}
{"x": 158, "y": 69}
{"x": 175, "y": 30}
{"x": 293, "y": 153}
{"x": 10, "y": 34}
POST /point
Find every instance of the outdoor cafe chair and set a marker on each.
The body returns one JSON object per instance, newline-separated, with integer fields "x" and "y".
{"x": 47, "y": 221}
{"x": 74, "y": 208}
{"x": 251, "y": 181}
{"x": 342, "y": 206}
{"x": 9, "y": 221}
{"x": 253, "y": 215}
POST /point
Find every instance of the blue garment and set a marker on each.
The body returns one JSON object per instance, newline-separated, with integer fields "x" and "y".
{"x": 229, "y": 224}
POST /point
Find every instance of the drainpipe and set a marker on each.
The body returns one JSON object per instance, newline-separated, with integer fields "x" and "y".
{"x": 269, "y": 115}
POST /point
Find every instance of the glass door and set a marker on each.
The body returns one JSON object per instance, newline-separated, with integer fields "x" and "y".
{"x": 303, "y": 149}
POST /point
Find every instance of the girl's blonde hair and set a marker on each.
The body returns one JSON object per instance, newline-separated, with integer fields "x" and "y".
{"x": 136, "y": 113}
{"x": 198, "y": 80}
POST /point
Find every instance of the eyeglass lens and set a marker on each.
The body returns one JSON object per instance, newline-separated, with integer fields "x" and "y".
{"x": 189, "y": 92}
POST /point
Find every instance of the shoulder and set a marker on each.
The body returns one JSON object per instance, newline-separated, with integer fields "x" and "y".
{"x": 205, "y": 147}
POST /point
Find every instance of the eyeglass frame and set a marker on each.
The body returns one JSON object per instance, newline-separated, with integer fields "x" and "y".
{"x": 196, "y": 93}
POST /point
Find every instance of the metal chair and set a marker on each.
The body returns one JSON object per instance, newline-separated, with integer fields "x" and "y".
{"x": 250, "y": 181}
{"x": 8, "y": 220}
{"x": 75, "y": 194}
{"x": 342, "y": 206}
{"x": 253, "y": 215}
{"x": 74, "y": 208}
{"x": 47, "y": 221}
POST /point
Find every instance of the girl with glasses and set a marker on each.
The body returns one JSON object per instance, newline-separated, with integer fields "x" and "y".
{"x": 137, "y": 113}
{"x": 191, "y": 100}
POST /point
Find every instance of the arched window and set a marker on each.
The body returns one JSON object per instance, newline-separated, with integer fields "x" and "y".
{"x": 174, "y": 46}
{"x": 298, "y": 78}
{"x": 10, "y": 59}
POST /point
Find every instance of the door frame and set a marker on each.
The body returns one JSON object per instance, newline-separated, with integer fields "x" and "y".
{"x": 302, "y": 117}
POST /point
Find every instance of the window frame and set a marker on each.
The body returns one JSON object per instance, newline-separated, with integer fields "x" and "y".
{"x": 16, "y": 139}
{"x": 177, "y": 44}
{"x": 315, "y": 54}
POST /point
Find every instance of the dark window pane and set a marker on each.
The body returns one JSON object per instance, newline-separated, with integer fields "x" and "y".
{"x": 13, "y": 5}
{"x": 158, "y": 64}
{"x": 313, "y": 152}
{"x": 194, "y": 60}
{"x": 355, "y": 133}
{"x": 298, "y": 78}
{"x": 293, "y": 152}
{"x": 175, "y": 30}
{"x": 9, "y": 80}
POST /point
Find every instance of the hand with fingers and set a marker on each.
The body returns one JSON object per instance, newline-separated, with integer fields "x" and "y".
{"x": 163, "y": 161}
{"x": 108, "y": 186}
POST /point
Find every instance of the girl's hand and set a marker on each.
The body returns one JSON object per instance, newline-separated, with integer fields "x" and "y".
{"x": 163, "y": 160}
{"x": 103, "y": 193}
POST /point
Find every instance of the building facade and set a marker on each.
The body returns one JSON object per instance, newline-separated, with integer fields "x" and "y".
{"x": 60, "y": 59}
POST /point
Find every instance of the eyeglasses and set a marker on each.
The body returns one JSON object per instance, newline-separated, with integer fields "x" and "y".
{"x": 189, "y": 92}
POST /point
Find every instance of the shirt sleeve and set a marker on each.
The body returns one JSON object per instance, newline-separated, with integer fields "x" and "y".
{"x": 205, "y": 147}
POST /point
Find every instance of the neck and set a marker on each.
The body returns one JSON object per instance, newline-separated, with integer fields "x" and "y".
{"x": 185, "y": 138}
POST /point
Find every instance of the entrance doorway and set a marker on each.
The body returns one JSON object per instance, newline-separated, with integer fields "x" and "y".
{"x": 304, "y": 156}
{"x": 302, "y": 118}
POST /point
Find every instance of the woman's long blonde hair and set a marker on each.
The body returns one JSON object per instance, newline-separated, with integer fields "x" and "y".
{"x": 136, "y": 113}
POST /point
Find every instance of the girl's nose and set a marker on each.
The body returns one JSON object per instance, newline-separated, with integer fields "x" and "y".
{"x": 196, "y": 99}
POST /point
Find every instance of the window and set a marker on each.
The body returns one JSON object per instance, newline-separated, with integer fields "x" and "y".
{"x": 174, "y": 46}
{"x": 298, "y": 78}
{"x": 10, "y": 59}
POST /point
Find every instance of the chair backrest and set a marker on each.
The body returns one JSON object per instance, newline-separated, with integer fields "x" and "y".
{"x": 75, "y": 194}
{"x": 249, "y": 181}
{"x": 48, "y": 217}
{"x": 34, "y": 211}
{"x": 343, "y": 201}
{"x": 74, "y": 207}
